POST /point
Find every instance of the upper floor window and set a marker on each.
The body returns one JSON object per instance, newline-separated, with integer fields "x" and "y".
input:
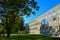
{"x": 55, "y": 27}
{"x": 53, "y": 12}
{"x": 44, "y": 22}
{"x": 49, "y": 14}
{"x": 58, "y": 9}
{"x": 49, "y": 20}
{"x": 59, "y": 18}
{"x": 54, "y": 18}
{"x": 43, "y": 16}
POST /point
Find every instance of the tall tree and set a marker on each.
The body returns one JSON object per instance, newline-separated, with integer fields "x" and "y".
{"x": 18, "y": 7}
{"x": 13, "y": 21}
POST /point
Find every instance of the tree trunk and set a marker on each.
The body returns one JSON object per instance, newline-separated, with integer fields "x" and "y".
{"x": 8, "y": 33}
{"x": 7, "y": 27}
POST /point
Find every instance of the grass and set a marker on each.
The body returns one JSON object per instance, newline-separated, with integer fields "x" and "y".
{"x": 28, "y": 37}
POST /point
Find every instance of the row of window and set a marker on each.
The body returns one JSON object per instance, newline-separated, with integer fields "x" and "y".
{"x": 49, "y": 20}
{"x": 59, "y": 18}
{"x": 53, "y": 13}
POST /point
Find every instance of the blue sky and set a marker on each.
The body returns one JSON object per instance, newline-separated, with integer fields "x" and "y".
{"x": 44, "y": 6}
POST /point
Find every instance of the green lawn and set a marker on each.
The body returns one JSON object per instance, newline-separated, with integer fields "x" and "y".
{"x": 28, "y": 37}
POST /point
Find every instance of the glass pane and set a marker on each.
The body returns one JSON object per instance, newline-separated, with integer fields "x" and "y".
{"x": 46, "y": 22}
{"x": 53, "y": 12}
{"x": 59, "y": 9}
{"x": 43, "y": 16}
{"x": 59, "y": 18}
{"x": 42, "y": 22}
{"x": 48, "y": 13}
{"x": 49, "y": 20}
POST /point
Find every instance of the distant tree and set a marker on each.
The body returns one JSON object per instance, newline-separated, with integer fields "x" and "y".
{"x": 17, "y": 7}
{"x": 22, "y": 24}
{"x": 27, "y": 28}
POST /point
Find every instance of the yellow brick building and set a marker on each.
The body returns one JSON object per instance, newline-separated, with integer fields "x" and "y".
{"x": 50, "y": 18}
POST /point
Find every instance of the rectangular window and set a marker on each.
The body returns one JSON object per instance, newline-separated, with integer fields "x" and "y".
{"x": 49, "y": 20}
{"x": 59, "y": 18}
{"x": 54, "y": 18}
{"x": 46, "y": 22}
{"x": 42, "y": 22}
{"x": 43, "y": 16}
{"x": 53, "y": 12}
{"x": 49, "y": 14}
{"x": 58, "y": 9}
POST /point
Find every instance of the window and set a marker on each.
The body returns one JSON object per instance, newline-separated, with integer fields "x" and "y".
{"x": 44, "y": 22}
{"x": 53, "y": 12}
{"x": 59, "y": 17}
{"x": 58, "y": 9}
{"x": 55, "y": 27}
{"x": 44, "y": 16}
{"x": 54, "y": 18}
{"x": 49, "y": 20}
{"x": 48, "y": 13}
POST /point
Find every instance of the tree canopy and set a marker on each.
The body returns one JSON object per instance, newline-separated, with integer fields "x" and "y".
{"x": 23, "y": 7}
{"x": 15, "y": 8}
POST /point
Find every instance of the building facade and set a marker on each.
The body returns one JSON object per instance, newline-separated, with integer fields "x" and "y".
{"x": 48, "y": 23}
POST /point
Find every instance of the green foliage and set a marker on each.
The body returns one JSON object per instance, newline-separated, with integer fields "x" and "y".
{"x": 14, "y": 22}
{"x": 23, "y": 6}
{"x": 15, "y": 8}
